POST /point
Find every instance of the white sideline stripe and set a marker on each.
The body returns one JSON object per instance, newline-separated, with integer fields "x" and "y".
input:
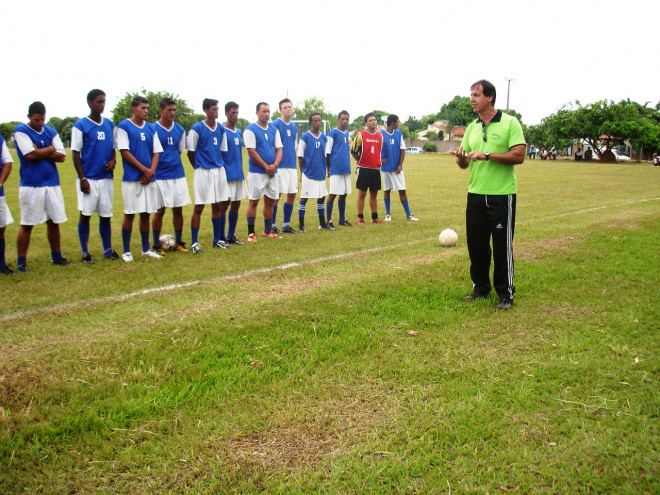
{"x": 285, "y": 266}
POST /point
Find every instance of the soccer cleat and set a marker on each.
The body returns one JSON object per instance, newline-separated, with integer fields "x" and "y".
{"x": 151, "y": 253}
{"x": 325, "y": 226}
{"x": 127, "y": 257}
{"x": 376, "y": 220}
{"x": 158, "y": 248}
{"x": 87, "y": 259}
{"x": 275, "y": 229}
{"x": 360, "y": 221}
{"x": 7, "y": 271}
{"x": 252, "y": 237}
{"x": 475, "y": 295}
{"x": 233, "y": 240}
{"x": 272, "y": 234}
{"x": 302, "y": 230}
{"x": 346, "y": 223}
{"x": 505, "y": 303}
{"x": 289, "y": 230}
{"x": 112, "y": 256}
{"x": 196, "y": 248}
{"x": 331, "y": 226}
{"x": 22, "y": 268}
{"x": 413, "y": 218}
{"x": 388, "y": 218}
{"x": 180, "y": 247}
{"x": 221, "y": 244}
{"x": 63, "y": 262}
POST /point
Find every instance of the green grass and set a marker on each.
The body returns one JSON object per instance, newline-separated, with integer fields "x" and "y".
{"x": 347, "y": 362}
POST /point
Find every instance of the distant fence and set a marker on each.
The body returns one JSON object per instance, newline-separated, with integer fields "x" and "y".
{"x": 443, "y": 146}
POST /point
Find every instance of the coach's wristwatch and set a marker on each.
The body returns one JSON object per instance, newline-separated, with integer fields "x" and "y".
{"x": 487, "y": 155}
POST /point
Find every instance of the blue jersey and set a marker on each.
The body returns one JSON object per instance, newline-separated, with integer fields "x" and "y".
{"x": 37, "y": 173}
{"x": 173, "y": 143}
{"x": 206, "y": 144}
{"x": 391, "y": 152}
{"x": 142, "y": 142}
{"x": 312, "y": 149}
{"x": 233, "y": 156}
{"x": 95, "y": 143}
{"x": 288, "y": 135}
{"x": 337, "y": 148}
{"x": 266, "y": 140}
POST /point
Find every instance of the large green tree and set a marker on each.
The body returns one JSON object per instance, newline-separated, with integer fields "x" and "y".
{"x": 458, "y": 112}
{"x": 184, "y": 114}
{"x": 62, "y": 126}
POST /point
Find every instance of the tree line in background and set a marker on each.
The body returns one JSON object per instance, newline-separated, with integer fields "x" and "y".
{"x": 626, "y": 120}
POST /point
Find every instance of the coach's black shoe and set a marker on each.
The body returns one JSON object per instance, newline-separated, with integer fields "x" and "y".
{"x": 289, "y": 230}
{"x": 234, "y": 240}
{"x": 7, "y": 271}
{"x": 301, "y": 229}
{"x": 22, "y": 268}
{"x": 62, "y": 262}
{"x": 87, "y": 259}
{"x": 505, "y": 303}
{"x": 475, "y": 295}
{"x": 346, "y": 223}
{"x": 112, "y": 256}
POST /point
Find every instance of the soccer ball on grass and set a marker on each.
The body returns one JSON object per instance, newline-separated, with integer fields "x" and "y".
{"x": 448, "y": 238}
{"x": 167, "y": 242}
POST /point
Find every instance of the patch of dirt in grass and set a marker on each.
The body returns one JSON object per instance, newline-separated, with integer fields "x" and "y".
{"x": 534, "y": 251}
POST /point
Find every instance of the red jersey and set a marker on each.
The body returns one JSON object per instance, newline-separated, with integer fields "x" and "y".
{"x": 369, "y": 147}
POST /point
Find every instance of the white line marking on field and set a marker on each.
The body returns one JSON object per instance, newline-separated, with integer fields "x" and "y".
{"x": 285, "y": 266}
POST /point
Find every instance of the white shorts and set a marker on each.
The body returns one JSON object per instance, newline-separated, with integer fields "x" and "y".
{"x": 393, "y": 181}
{"x": 173, "y": 193}
{"x": 5, "y": 214}
{"x": 260, "y": 185}
{"x": 39, "y": 204}
{"x": 100, "y": 198}
{"x": 288, "y": 178}
{"x": 237, "y": 190}
{"x": 340, "y": 184}
{"x": 313, "y": 189}
{"x": 139, "y": 198}
{"x": 210, "y": 186}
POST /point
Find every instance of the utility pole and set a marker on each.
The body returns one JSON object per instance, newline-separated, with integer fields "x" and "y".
{"x": 508, "y": 89}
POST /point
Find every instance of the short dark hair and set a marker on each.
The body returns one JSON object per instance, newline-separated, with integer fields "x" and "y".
{"x": 315, "y": 113}
{"x": 138, "y": 100}
{"x": 208, "y": 103}
{"x": 94, "y": 94}
{"x": 487, "y": 87}
{"x": 36, "y": 108}
{"x": 343, "y": 112}
{"x": 261, "y": 103}
{"x": 370, "y": 114}
{"x": 285, "y": 100}
{"x": 392, "y": 119}
{"x": 166, "y": 102}
{"x": 230, "y": 105}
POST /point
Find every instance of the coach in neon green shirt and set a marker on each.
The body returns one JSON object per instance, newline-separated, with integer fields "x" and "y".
{"x": 492, "y": 145}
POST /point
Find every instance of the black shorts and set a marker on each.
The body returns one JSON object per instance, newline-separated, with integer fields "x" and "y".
{"x": 368, "y": 179}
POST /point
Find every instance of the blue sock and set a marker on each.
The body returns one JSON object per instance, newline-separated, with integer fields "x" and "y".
{"x": 233, "y": 220}
{"x": 268, "y": 225}
{"x": 56, "y": 255}
{"x": 3, "y": 263}
{"x": 250, "y": 224}
{"x": 223, "y": 224}
{"x": 145, "y": 240}
{"x": 387, "y": 205}
{"x": 342, "y": 210}
{"x": 329, "y": 206}
{"x": 288, "y": 210}
{"x": 216, "y": 229}
{"x": 126, "y": 239}
{"x": 178, "y": 234}
{"x": 274, "y": 219}
{"x": 83, "y": 235}
{"x": 406, "y": 207}
{"x": 105, "y": 229}
{"x": 21, "y": 260}
{"x": 156, "y": 234}
{"x": 194, "y": 232}
{"x": 301, "y": 210}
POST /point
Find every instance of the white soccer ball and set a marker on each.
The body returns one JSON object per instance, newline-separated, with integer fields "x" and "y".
{"x": 167, "y": 242}
{"x": 448, "y": 238}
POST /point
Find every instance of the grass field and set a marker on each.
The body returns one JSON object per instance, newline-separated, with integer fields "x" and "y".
{"x": 347, "y": 361}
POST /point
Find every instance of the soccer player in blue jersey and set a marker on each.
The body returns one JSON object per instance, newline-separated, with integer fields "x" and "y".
{"x": 287, "y": 172}
{"x": 171, "y": 178}
{"x": 93, "y": 147}
{"x": 264, "y": 147}
{"x": 311, "y": 158}
{"x": 5, "y": 215}
{"x": 233, "y": 158}
{"x": 210, "y": 180}
{"x": 392, "y": 155}
{"x": 338, "y": 164}
{"x": 39, "y": 148}
{"x": 139, "y": 146}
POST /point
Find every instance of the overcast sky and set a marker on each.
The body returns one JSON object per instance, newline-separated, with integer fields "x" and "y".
{"x": 406, "y": 57}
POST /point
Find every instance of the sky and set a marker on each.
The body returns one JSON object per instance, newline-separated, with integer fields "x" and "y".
{"x": 407, "y": 58}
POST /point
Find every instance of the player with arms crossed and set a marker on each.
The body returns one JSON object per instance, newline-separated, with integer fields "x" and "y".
{"x": 39, "y": 148}
{"x": 139, "y": 146}
{"x": 171, "y": 178}
{"x": 311, "y": 158}
{"x": 492, "y": 145}
{"x": 392, "y": 169}
{"x": 287, "y": 172}
{"x": 338, "y": 164}
{"x": 264, "y": 147}
{"x": 366, "y": 150}
{"x": 210, "y": 180}
{"x": 93, "y": 147}
{"x": 5, "y": 215}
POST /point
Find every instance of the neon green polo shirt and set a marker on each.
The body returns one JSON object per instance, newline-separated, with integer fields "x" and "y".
{"x": 502, "y": 133}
